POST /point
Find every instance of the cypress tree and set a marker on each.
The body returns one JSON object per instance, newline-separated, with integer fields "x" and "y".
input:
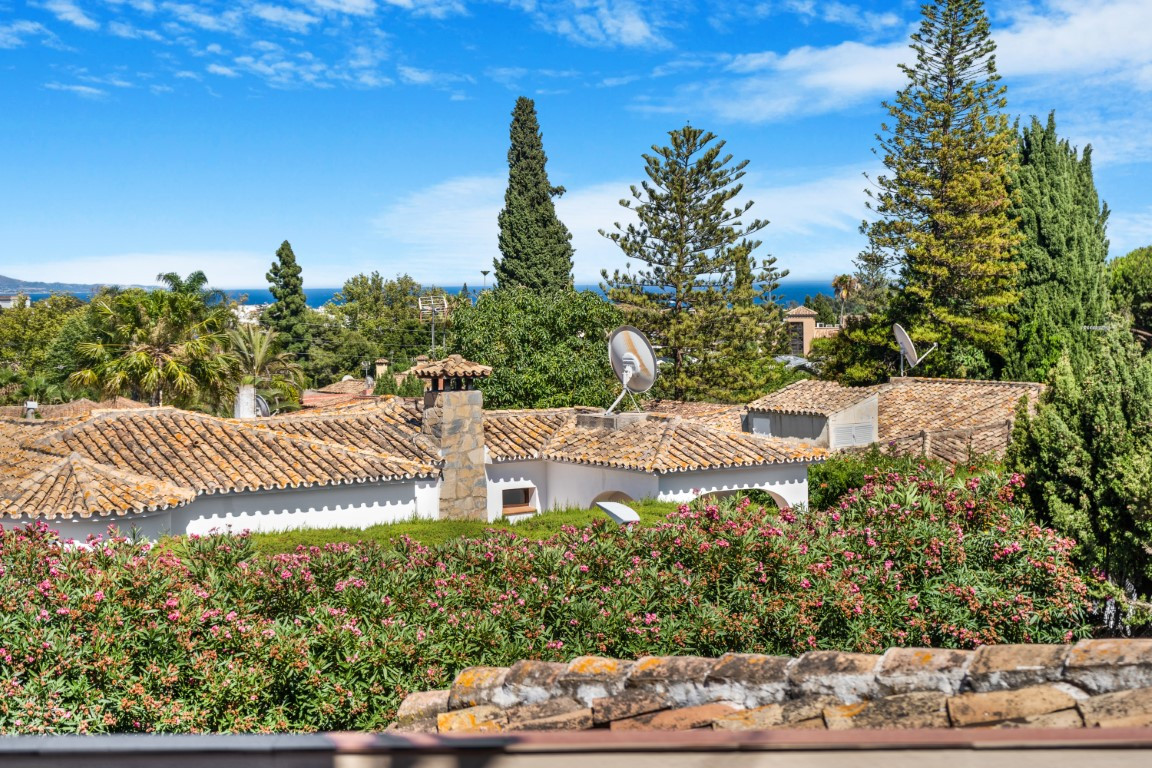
{"x": 943, "y": 209}
{"x": 288, "y": 314}
{"x": 1087, "y": 456}
{"x": 1064, "y": 284}
{"x": 535, "y": 246}
{"x": 702, "y": 296}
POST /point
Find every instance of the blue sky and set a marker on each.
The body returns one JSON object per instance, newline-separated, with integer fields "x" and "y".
{"x": 142, "y": 136}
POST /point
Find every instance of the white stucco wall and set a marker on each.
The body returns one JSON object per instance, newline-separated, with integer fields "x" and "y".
{"x": 353, "y": 506}
{"x": 576, "y": 485}
{"x": 788, "y": 481}
{"x": 855, "y": 425}
{"x": 515, "y": 474}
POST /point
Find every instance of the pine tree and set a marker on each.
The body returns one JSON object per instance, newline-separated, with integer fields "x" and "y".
{"x": 289, "y": 313}
{"x": 702, "y": 296}
{"x": 535, "y": 246}
{"x": 943, "y": 211}
{"x": 1064, "y": 283}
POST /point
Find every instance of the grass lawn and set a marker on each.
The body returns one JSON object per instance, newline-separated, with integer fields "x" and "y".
{"x": 436, "y": 531}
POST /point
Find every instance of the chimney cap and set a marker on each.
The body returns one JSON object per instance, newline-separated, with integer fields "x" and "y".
{"x": 454, "y": 367}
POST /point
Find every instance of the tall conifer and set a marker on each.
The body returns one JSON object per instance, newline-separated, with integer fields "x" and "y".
{"x": 1063, "y": 285}
{"x": 535, "y": 246}
{"x": 943, "y": 206}
{"x": 700, "y": 293}
{"x": 288, "y": 314}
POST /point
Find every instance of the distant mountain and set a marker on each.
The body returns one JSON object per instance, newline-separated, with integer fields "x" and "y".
{"x": 12, "y": 285}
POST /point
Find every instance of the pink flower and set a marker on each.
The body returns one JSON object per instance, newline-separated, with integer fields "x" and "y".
{"x": 805, "y": 584}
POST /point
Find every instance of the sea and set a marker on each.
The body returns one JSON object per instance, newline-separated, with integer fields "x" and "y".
{"x": 789, "y": 293}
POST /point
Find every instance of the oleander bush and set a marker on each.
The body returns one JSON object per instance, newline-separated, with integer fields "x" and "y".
{"x": 205, "y": 634}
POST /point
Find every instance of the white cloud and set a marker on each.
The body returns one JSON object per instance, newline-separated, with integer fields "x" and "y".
{"x": 218, "y": 69}
{"x": 278, "y": 15}
{"x": 186, "y": 75}
{"x": 1105, "y": 40}
{"x": 1128, "y": 230}
{"x": 813, "y": 229}
{"x": 845, "y": 13}
{"x": 767, "y": 86}
{"x": 350, "y": 7}
{"x": 129, "y": 32}
{"x": 1080, "y": 38}
{"x": 67, "y": 10}
{"x": 86, "y": 91}
{"x": 599, "y": 22}
{"x": 415, "y": 76}
{"x": 227, "y": 21}
{"x": 15, "y": 34}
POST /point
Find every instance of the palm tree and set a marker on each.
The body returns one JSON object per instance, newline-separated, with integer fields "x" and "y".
{"x": 844, "y": 286}
{"x": 156, "y": 345}
{"x": 260, "y": 365}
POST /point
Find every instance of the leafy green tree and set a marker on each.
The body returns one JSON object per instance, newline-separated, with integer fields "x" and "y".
{"x": 701, "y": 295}
{"x": 288, "y": 315}
{"x": 863, "y": 353}
{"x": 1064, "y": 282}
{"x": 546, "y": 350}
{"x": 1131, "y": 286}
{"x": 1087, "y": 457}
{"x": 28, "y": 328}
{"x": 336, "y": 350}
{"x": 535, "y": 246}
{"x": 943, "y": 207}
{"x": 262, "y": 364}
{"x": 156, "y": 346}
{"x": 384, "y": 312}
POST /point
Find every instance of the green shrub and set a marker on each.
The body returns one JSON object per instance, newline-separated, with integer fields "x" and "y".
{"x": 204, "y": 634}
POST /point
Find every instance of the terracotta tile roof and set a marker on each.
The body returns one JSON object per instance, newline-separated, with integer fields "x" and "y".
{"x": 719, "y": 415}
{"x": 389, "y": 426}
{"x": 346, "y": 387}
{"x": 453, "y": 366}
{"x": 910, "y": 405}
{"x": 664, "y": 444}
{"x": 812, "y": 396}
{"x": 522, "y": 434}
{"x": 72, "y": 486}
{"x": 801, "y": 311}
{"x": 74, "y": 408}
{"x": 212, "y": 455}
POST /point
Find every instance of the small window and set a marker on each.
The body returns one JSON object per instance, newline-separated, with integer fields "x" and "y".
{"x": 518, "y": 501}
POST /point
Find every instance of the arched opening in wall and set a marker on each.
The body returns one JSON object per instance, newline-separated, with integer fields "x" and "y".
{"x": 611, "y": 496}
{"x": 759, "y": 497}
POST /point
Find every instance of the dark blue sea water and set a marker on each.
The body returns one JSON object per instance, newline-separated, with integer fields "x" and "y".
{"x": 789, "y": 291}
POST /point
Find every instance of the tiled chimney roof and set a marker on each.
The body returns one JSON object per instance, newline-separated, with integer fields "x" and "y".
{"x": 453, "y": 367}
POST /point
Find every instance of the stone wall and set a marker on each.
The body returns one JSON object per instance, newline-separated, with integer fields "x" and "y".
{"x": 1094, "y": 683}
{"x": 455, "y": 421}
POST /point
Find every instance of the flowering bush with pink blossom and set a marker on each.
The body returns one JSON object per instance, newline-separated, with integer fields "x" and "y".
{"x": 206, "y": 635}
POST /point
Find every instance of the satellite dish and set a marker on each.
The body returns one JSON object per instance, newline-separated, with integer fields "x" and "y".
{"x": 908, "y": 348}
{"x": 633, "y": 360}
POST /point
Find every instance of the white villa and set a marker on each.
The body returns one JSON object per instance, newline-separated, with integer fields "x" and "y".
{"x": 375, "y": 460}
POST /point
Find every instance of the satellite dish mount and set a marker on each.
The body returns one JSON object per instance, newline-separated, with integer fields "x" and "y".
{"x": 634, "y": 362}
{"x": 908, "y": 349}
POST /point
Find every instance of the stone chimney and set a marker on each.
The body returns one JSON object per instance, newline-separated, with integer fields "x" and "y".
{"x": 454, "y": 421}
{"x": 381, "y": 367}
